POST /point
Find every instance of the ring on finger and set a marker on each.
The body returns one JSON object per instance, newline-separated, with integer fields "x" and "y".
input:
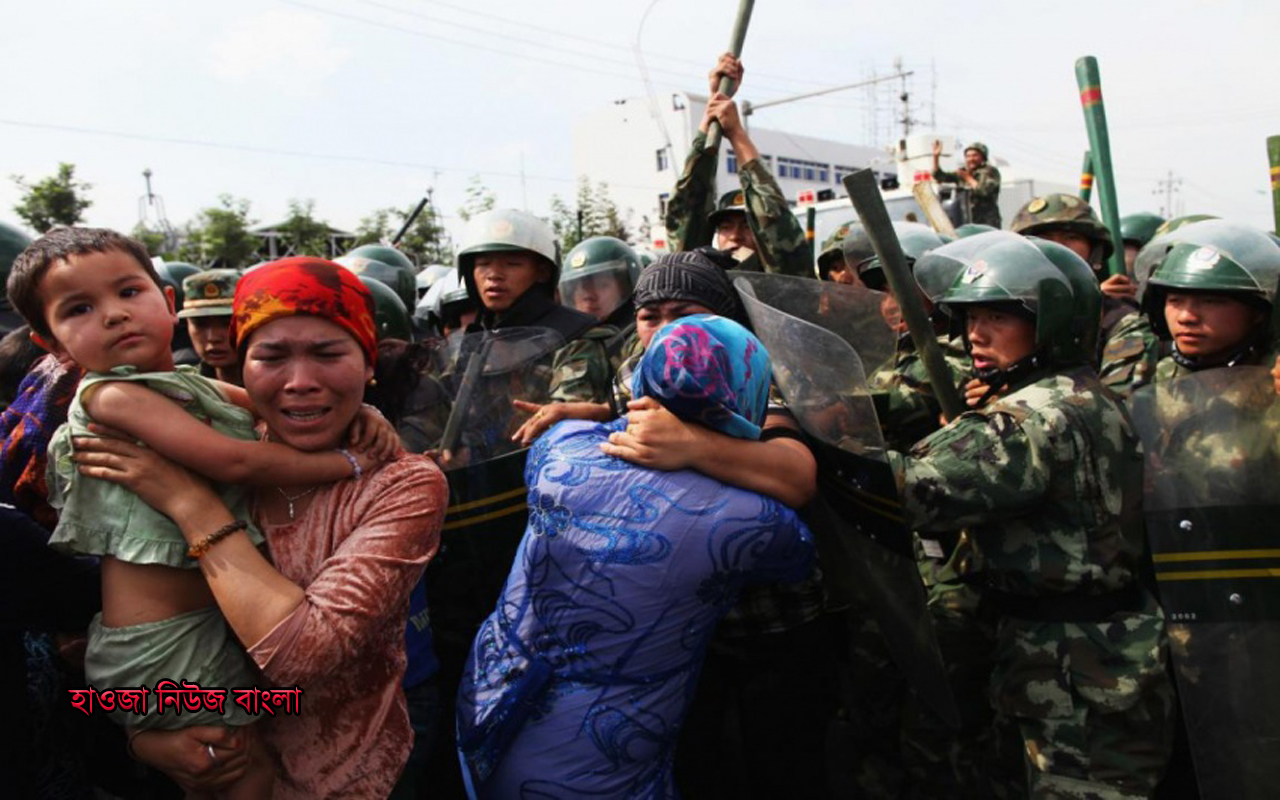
{"x": 208, "y": 748}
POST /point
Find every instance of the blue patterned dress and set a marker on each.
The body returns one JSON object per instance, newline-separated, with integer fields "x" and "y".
{"x": 579, "y": 680}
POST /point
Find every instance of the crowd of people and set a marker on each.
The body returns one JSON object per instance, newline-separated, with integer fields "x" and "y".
{"x": 602, "y": 525}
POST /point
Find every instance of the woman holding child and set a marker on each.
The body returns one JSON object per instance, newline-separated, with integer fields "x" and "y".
{"x": 325, "y": 609}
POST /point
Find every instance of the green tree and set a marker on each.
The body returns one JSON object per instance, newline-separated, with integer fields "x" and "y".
{"x": 375, "y": 228}
{"x": 303, "y": 233}
{"x": 426, "y": 241}
{"x": 56, "y": 200}
{"x": 598, "y": 213}
{"x": 220, "y": 236}
{"x": 480, "y": 199}
{"x": 155, "y": 241}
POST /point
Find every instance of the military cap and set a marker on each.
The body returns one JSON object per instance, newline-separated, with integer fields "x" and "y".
{"x": 209, "y": 293}
{"x": 730, "y": 202}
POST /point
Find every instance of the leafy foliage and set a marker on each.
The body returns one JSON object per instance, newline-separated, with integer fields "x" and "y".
{"x": 220, "y": 236}
{"x": 598, "y": 213}
{"x": 480, "y": 199}
{"x": 56, "y": 200}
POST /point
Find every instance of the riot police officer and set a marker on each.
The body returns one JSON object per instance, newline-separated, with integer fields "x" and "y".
{"x": 1129, "y": 348}
{"x": 508, "y": 262}
{"x": 1041, "y": 476}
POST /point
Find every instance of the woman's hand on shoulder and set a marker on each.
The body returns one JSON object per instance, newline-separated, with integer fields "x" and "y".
{"x": 655, "y": 438}
{"x": 198, "y": 759}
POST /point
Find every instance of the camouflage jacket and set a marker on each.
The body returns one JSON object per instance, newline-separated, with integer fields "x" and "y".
{"x": 1047, "y": 480}
{"x": 1130, "y": 349}
{"x": 982, "y": 199}
{"x": 1213, "y": 435}
{"x": 780, "y": 236}
{"x": 906, "y": 406}
{"x": 581, "y": 370}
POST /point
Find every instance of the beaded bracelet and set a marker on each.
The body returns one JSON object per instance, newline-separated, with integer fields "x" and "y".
{"x": 201, "y": 547}
{"x": 356, "y": 472}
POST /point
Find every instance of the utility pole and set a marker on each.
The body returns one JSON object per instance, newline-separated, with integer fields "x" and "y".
{"x": 151, "y": 214}
{"x": 905, "y": 97}
{"x": 1168, "y": 187}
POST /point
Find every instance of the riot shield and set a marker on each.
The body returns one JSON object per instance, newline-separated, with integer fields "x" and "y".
{"x": 1212, "y": 441}
{"x": 487, "y": 509}
{"x": 864, "y": 544}
{"x": 865, "y": 319}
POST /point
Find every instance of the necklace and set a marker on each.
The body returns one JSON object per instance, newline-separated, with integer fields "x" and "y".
{"x": 292, "y": 498}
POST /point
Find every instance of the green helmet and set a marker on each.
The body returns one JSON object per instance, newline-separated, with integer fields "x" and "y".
{"x": 1139, "y": 228}
{"x": 1064, "y": 211}
{"x": 833, "y": 247}
{"x": 1177, "y": 222}
{"x": 856, "y": 246}
{"x": 1003, "y": 267}
{"x": 914, "y": 238}
{"x": 399, "y": 279}
{"x": 389, "y": 314}
{"x": 980, "y": 147}
{"x": 589, "y": 266}
{"x": 934, "y": 275}
{"x": 734, "y": 202}
{"x": 174, "y": 273}
{"x": 12, "y": 242}
{"x": 1213, "y": 256}
{"x": 973, "y": 229}
{"x": 646, "y": 256}
{"x": 1081, "y": 345}
{"x": 386, "y": 254}
{"x": 506, "y": 230}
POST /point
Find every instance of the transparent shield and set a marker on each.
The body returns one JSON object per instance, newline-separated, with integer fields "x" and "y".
{"x": 488, "y": 371}
{"x": 598, "y": 290}
{"x": 1212, "y": 441}
{"x": 868, "y": 321}
{"x": 863, "y": 542}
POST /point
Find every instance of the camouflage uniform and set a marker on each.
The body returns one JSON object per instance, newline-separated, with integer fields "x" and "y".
{"x": 903, "y": 393}
{"x": 1130, "y": 349}
{"x": 981, "y": 199}
{"x": 779, "y": 235}
{"x": 581, "y": 370}
{"x": 1036, "y": 476}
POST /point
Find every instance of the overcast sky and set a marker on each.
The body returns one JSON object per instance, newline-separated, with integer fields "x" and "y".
{"x": 360, "y": 104}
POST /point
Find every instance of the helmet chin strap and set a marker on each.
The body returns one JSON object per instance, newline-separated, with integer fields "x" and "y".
{"x": 1250, "y": 348}
{"x": 997, "y": 378}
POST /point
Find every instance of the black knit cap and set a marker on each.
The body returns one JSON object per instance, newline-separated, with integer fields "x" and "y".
{"x": 694, "y": 276}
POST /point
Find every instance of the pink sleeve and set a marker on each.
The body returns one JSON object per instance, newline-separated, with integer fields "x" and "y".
{"x": 363, "y": 583}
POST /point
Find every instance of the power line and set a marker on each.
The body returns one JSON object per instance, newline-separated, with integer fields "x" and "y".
{"x": 684, "y": 78}
{"x": 608, "y": 45}
{"x": 275, "y": 151}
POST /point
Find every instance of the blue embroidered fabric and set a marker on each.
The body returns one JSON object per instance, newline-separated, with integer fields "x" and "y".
{"x": 578, "y": 681}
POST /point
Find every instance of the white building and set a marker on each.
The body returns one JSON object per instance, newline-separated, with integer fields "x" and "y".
{"x": 639, "y": 151}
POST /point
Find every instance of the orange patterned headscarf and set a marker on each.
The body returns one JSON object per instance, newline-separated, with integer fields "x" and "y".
{"x": 304, "y": 285}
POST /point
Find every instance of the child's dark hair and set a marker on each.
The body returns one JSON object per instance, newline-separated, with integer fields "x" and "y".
{"x": 57, "y": 245}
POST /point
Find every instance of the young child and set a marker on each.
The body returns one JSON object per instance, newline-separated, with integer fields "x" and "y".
{"x": 91, "y": 295}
